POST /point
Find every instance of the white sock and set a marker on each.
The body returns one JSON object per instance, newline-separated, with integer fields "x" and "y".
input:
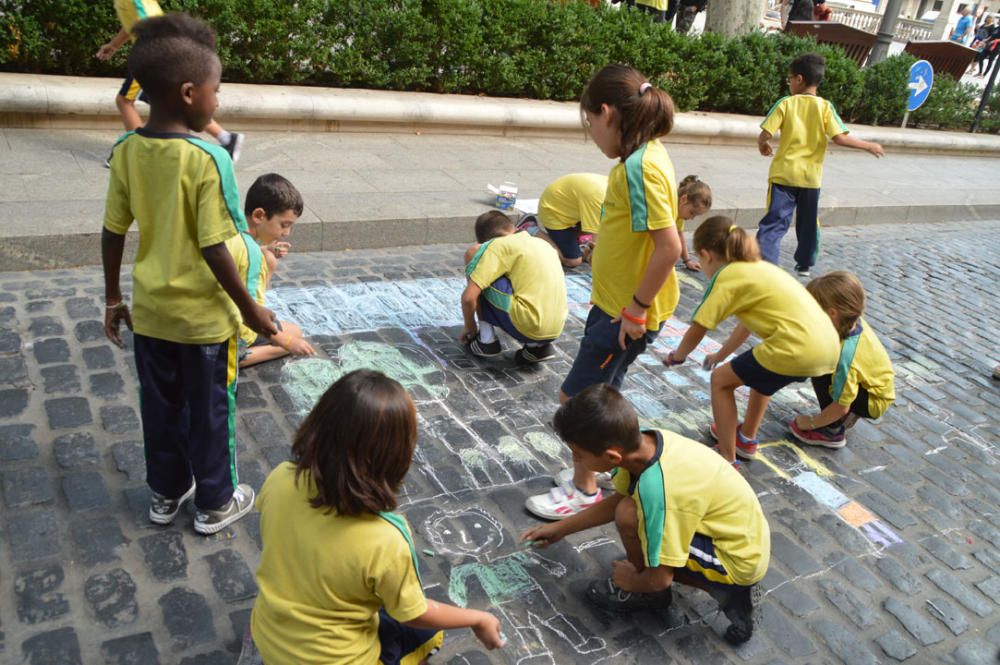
{"x": 486, "y": 333}
{"x": 224, "y": 137}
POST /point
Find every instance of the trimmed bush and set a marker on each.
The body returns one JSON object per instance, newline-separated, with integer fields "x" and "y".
{"x": 543, "y": 49}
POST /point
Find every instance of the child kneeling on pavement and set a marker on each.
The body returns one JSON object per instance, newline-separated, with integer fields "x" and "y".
{"x": 683, "y": 514}
{"x": 515, "y": 283}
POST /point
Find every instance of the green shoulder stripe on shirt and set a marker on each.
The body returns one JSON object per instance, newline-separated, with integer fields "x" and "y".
{"x": 227, "y": 179}
{"x": 400, "y": 524}
{"x": 768, "y": 114}
{"x": 708, "y": 290}
{"x": 140, "y": 9}
{"x": 254, "y": 259}
{"x": 469, "y": 269}
{"x": 637, "y": 190}
{"x": 652, "y": 503}
{"x": 119, "y": 142}
{"x": 847, "y": 351}
{"x": 836, "y": 116}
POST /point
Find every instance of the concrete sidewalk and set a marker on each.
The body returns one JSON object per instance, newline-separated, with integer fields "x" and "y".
{"x": 366, "y": 190}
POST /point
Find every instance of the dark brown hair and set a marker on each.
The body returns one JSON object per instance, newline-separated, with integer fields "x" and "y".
{"x": 842, "y": 292}
{"x": 598, "y": 418}
{"x": 357, "y": 443}
{"x": 170, "y": 50}
{"x": 273, "y": 194}
{"x": 722, "y": 237}
{"x": 491, "y": 224}
{"x": 697, "y": 191}
{"x": 645, "y": 112}
{"x": 810, "y": 66}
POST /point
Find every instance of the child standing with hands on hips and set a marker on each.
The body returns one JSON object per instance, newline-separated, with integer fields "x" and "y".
{"x": 338, "y": 571}
{"x": 798, "y": 339}
{"x": 634, "y": 288}
{"x": 863, "y": 385}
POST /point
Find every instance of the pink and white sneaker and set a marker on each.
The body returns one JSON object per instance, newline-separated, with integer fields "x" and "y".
{"x": 560, "y": 502}
{"x": 745, "y": 448}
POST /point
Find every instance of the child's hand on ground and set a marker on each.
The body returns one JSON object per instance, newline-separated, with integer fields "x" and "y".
{"x": 623, "y": 574}
{"x": 487, "y": 631}
{"x": 105, "y": 52}
{"x": 467, "y": 335}
{"x": 300, "y": 347}
{"x": 711, "y": 360}
{"x": 260, "y": 320}
{"x": 672, "y": 360}
{"x": 876, "y": 149}
{"x": 692, "y": 265}
{"x": 542, "y": 535}
{"x": 113, "y": 317}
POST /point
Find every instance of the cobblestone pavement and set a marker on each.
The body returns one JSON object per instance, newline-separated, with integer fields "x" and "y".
{"x": 886, "y": 550}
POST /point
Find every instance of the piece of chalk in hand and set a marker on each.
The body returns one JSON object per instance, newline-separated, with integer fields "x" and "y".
{"x": 707, "y": 365}
{"x": 428, "y": 552}
{"x": 526, "y": 544}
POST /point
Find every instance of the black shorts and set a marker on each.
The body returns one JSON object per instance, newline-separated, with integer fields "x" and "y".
{"x": 567, "y": 240}
{"x": 131, "y": 90}
{"x": 759, "y": 378}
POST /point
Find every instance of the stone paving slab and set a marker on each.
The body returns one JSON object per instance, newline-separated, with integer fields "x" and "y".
{"x": 885, "y": 551}
{"x": 367, "y": 190}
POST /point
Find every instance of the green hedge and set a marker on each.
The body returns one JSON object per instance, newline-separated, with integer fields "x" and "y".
{"x": 541, "y": 49}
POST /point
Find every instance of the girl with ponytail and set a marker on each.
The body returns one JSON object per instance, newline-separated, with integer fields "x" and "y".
{"x": 634, "y": 288}
{"x": 798, "y": 338}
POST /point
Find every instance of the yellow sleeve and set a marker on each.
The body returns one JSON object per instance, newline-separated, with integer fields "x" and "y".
{"x": 680, "y": 225}
{"x": 833, "y": 125}
{"x": 117, "y": 209}
{"x": 776, "y": 116}
{"x": 717, "y": 304}
{"x": 850, "y": 390}
{"x": 397, "y": 583}
{"x": 215, "y": 224}
{"x": 678, "y": 531}
{"x": 661, "y": 206}
{"x": 621, "y": 478}
{"x": 488, "y": 264}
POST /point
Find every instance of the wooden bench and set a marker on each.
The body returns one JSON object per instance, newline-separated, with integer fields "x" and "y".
{"x": 855, "y": 43}
{"x": 945, "y": 56}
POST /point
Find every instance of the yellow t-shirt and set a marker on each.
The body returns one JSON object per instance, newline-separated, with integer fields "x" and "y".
{"x": 323, "y": 577}
{"x": 798, "y": 337}
{"x": 641, "y": 197}
{"x": 182, "y": 193}
{"x": 131, "y": 12}
{"x": 687, "y": 489}
{"x": 807, "y": 123}
{"x": 864, "y": 362}
{"x": 573, "y": 199}
{"x": 537, "y": 306}
{"x": 252, "y": 267}
{"x": 660, "y": 5}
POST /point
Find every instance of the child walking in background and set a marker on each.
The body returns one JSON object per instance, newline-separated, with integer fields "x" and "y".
{"x": 863, "y": 384}
{"x": 338, "y": 571}
{"x": 806, "y": 122}
{"x": 188, "y": 296}
{"x": 129, "y": 13}
{"x": 634, "y": 288}
{"x": 682, "y": 513}
{"x": 515, "y": 283}
{"x": 272, "y": 206}
{"x": 798, "y": 340}
{"x": 694, "y": 198}
{"x": 569, "y": 213}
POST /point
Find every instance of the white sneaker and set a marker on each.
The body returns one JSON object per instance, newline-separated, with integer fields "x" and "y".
{"x": 565, "y": 478}
{"x": 558, "y": 503}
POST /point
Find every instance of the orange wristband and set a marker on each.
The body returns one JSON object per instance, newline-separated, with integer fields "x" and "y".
{"x": 633, "y": 319}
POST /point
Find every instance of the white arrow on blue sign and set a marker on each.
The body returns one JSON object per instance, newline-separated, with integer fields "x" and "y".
{"x": 921, "y": 81}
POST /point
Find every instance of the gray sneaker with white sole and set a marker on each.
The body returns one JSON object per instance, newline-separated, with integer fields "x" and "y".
{"x": 207, "y": 522}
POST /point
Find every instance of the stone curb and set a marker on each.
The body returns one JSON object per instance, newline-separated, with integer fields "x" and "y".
{"x": 38, "y": 101}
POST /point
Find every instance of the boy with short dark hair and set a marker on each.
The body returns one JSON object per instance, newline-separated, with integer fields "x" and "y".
{"x": 806, "y": 122}
{"x": 272, "y": 206}
{"x": 683, "y": 513}
{"x": 516, "y": 283}
{"x": 130, "y": 12}
{"x": 188, "y": 297}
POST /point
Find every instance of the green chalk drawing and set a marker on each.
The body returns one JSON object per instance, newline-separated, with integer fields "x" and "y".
{"x": 502, "y": 579}
{"x": 306, "y": 380}
{"x": 472, "y": 458}
{"x": 545, "y": 443}
{"x": 428, "y": 552}
{"x": 513, "y": 451}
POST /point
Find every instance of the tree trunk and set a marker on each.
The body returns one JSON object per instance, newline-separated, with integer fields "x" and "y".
{"x": 733, "y": 17}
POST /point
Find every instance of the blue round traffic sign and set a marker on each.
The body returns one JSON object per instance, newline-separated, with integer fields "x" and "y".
{"x": 921, "y": 81}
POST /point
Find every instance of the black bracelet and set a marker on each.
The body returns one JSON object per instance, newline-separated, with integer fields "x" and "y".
{"x": 640, "y": 303}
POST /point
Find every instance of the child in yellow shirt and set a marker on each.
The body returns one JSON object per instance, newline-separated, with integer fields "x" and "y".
{"x": 694, "y": 198}
{"x": 569, "y": 213}
{"x": 798, "y": 340}
{"x": 863, "y": 384}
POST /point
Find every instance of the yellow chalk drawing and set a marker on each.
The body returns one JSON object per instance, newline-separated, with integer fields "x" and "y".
{"x": 815, "y": 465}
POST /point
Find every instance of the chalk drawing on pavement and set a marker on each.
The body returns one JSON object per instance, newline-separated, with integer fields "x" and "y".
{"x": 472, "y": 538}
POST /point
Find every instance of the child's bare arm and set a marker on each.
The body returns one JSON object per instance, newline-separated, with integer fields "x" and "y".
{"x": 599, "y": 513}
{"x": 116, "y": 311}
{"x": 108, "y": 50}
{"x": 763, "y": 144}
{"x": 848, "y": 141}
{"x": 666, "y": 249}
{"x": 650, "y": 580}
{"x": 695, "y": 333}
{"x": 220, "y": 261}
{"x": 441, "y": 616}
{"x": 470, "y": 299}
{"x": 831, "y": 414}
